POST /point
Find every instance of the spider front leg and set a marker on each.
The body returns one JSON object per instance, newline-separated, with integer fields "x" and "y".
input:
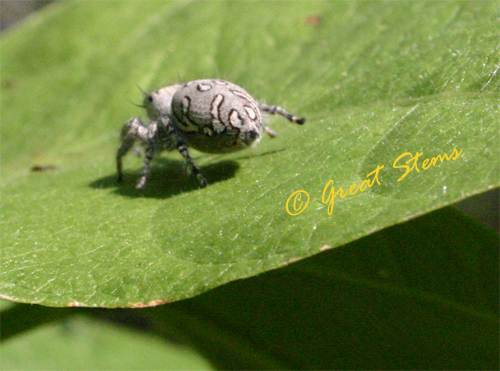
{"x": 133, "y": 130}
{"x": 154, "y": 137}
{"x": 280, "y": 111}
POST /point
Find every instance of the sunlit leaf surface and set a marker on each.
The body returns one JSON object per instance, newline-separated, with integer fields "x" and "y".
{"x": 375, "y": 81}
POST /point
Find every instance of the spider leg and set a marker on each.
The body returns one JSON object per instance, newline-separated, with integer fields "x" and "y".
{"x": 151, "y": 144}
{"x": 280, "y": 111}
{"x": 190, "y": 165}
{"x": 166, "y": 132}
{"x": 133, "y": 130}
{"x": 146, "y": 169}
{"x": 270, "y": 131}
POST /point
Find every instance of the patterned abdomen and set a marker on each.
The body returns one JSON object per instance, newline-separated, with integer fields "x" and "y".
{"x": 216, "y": 116}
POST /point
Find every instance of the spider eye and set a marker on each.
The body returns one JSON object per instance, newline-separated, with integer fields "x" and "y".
{"x": 149, "y": 98}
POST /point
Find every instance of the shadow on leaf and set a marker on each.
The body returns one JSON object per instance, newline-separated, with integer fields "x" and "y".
{"x": 168, "y": 178}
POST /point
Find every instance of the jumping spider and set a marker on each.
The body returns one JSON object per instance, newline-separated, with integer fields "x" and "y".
{"x": 212, "y": 116}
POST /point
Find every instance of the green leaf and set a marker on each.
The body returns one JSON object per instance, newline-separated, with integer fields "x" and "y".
{"x": 80, "y": 343}
{"x": 392, "y": 300}
{"x": 375, "y": 80}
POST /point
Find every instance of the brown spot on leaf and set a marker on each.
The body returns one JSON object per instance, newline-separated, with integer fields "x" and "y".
{"x": 43, "y": 168}
{"x": 314, "y": 20}
{"x": 152, "y": 303}
{"x": 76, "y": 304}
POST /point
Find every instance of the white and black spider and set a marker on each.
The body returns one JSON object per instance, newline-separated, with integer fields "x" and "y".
{"x": 212, "y": 116}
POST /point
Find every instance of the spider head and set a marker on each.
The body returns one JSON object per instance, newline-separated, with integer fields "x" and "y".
{"x": 159, "y": 102}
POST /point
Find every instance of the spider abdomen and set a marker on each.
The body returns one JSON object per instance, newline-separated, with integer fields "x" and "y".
{"x": 216, "y": 116}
